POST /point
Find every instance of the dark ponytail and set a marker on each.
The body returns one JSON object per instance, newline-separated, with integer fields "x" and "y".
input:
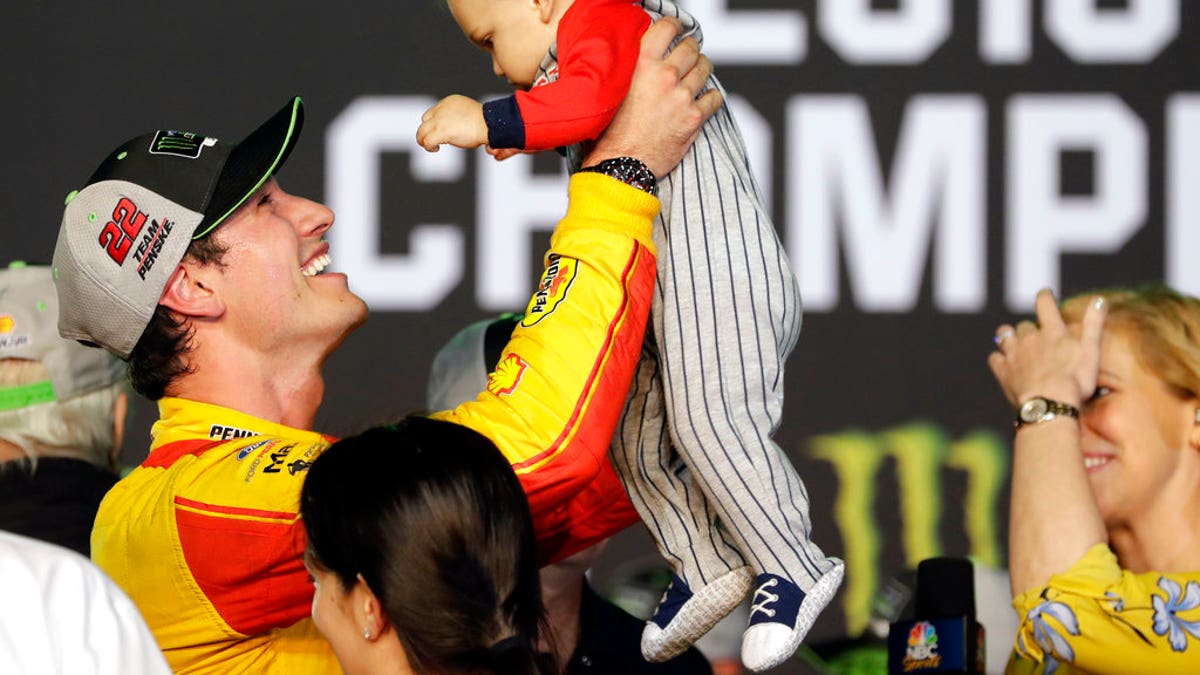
{"x": 434, "y": 519}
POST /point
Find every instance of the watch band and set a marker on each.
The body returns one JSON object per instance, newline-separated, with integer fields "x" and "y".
{"x": 1041, "y": 409}
{"x": 628, "y": 170}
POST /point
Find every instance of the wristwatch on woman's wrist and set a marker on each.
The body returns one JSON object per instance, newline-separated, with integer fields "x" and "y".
{"x": 628, "y": 170}
{"x": 1041, "y": 409}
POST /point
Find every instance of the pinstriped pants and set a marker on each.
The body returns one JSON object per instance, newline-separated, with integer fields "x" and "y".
{"x": 694, "y": 447}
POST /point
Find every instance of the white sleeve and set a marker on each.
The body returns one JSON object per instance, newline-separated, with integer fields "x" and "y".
{"x": 59, "y": 613}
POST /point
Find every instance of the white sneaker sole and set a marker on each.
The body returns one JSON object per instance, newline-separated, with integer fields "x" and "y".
{"x": 697, "y": 616}
{"x": 767, "y": 645}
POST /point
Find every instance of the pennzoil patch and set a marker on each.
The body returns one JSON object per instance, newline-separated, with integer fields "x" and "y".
{"x": 552, "y": 291}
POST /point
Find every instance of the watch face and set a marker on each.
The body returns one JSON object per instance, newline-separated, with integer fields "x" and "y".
{"x": 1033, "y": 409}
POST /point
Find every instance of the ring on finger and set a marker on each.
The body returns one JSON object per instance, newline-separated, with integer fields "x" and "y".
{"x": 1002, "y": 336}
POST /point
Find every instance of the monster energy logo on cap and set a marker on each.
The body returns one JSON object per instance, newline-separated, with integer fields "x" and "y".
{"x": 180, "y": 144}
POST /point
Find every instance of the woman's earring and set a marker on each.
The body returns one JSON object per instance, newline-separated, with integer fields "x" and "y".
{"x": 367, "y": 633}
{"x": 1197, "y": 415}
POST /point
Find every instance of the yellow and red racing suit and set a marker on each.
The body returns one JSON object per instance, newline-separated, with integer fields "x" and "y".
{"x": 205, "y": 534}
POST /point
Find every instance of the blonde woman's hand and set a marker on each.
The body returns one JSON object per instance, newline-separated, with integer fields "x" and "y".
{"x": 1049, "y": 358}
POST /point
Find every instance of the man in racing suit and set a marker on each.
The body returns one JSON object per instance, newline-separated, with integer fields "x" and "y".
{"x": 184, "y": 255}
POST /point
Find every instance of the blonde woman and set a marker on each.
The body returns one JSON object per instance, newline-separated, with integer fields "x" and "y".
{"x": 1105, "y": 520}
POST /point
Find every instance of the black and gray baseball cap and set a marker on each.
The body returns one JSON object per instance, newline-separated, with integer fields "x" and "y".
{"x": 28, "y": 314}
{"x": 126, "y": 230}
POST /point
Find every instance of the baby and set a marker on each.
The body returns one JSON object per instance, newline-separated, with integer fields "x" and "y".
{"x": 723, "y": 502}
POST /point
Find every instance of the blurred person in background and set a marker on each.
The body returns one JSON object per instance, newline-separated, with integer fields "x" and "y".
{"x": 1104, "y": 533}
{"x": 62, "y": 416}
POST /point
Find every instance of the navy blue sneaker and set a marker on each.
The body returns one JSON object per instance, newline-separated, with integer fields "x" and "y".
{"x": 781, "y": 615}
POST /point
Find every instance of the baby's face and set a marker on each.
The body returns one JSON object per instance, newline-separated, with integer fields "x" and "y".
{"x": 516, "y": 33}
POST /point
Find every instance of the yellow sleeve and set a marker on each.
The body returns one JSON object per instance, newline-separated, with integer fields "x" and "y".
{"x": 553, "y": 402}
{"x": 1101, "y": 619}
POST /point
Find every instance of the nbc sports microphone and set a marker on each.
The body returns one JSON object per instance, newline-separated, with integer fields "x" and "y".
{"x": 943, "y": 636}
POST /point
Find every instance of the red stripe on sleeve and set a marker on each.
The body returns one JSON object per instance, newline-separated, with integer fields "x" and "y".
{"x": 600, "y": 510}
{"x": 602, "y": 398}
{"x": 592, "y": 424}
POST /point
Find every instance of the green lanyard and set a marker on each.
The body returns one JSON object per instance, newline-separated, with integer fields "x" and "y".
{"x": 26, "y": 395}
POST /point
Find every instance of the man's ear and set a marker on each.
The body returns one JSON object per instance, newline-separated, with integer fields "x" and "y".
{"x": 545, "y": 9}
{"x": 189, "y": 295}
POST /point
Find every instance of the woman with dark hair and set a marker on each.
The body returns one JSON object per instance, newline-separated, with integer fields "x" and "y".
{"x": 422, "y": 551}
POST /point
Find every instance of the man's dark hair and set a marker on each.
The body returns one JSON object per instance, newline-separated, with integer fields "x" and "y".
{"x": 157, "y": 358}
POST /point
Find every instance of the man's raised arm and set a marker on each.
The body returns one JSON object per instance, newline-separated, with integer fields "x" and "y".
{"x": 553, "y": 402}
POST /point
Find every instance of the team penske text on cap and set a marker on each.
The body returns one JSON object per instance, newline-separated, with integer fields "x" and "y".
{"x": 124, "y": 233}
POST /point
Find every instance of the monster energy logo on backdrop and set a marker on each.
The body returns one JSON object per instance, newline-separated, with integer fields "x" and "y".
{"x": 920, "y": 452}
{"x": 180, "y": 144}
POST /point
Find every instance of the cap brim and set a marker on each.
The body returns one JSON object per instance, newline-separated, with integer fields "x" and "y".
{"x": 252, "y": 162}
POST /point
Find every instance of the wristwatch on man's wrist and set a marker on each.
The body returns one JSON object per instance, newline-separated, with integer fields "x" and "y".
{"x": 628, "y": 170}
{"x": 1041, "y": 409}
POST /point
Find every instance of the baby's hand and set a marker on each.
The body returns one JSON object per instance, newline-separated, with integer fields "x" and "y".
{"x": 456, "y": 120}
{"x": 501, "y": 154}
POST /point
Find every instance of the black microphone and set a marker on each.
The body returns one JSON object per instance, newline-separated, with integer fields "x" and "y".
{"x": 943, "y": 635}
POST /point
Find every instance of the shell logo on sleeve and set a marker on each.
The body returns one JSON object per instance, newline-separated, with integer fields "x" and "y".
{"x": 507, "y": 376}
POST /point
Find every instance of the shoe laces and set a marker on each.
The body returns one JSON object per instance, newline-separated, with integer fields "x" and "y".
{"x": 768, "y": 598}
